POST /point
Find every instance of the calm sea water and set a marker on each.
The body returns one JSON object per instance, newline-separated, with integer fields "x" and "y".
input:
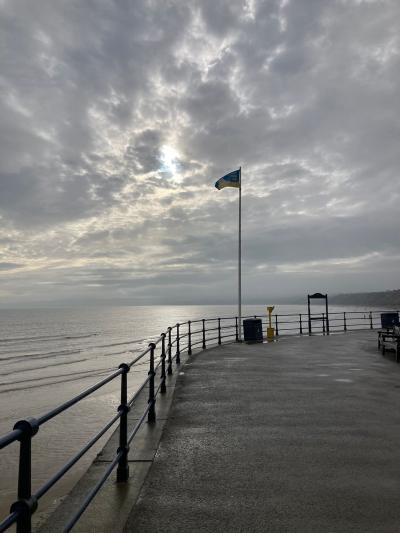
{"x": 48, "y": 356}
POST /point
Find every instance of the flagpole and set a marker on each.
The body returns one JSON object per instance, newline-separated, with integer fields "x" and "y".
{"x": 240, "y": 256}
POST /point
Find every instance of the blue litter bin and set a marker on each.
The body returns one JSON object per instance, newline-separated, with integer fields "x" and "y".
{"x": 252, "y": 330}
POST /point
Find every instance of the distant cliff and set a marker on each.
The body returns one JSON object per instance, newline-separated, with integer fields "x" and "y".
{"x": 369, "y": 299}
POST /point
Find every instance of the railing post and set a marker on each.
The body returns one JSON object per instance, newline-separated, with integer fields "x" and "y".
{"x": 123, "y": 467}
{"x": 26, "y": 505}
{"x": 204, "y": 334}
{"x": 370, "y": 321}
{"x": 301, "y": 326}
{"x": 178, "y": 353}
{"x": 344, "y": 321}
{"x": 151, "y": 416}
{"x": 237, "y": 329}
{"x": 163, "y": 388}
{"x": 323, "y": 323}
{"x": 169, "y": 371}
{"x": 219, "y": 331}
{"x": 189, "y": 338}
{"x": 276, "y": 326}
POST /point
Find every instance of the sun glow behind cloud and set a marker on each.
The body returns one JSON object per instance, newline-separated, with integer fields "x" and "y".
{"x": 170, "y": 161}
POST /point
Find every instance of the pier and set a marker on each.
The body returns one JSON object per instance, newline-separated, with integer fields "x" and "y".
{"x": 299, "y": 434}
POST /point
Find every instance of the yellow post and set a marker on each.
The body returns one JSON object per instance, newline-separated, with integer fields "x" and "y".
{"x": 270, "y": 329}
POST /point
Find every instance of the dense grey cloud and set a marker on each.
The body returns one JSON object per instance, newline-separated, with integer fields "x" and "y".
{"x": 118, "y": 116}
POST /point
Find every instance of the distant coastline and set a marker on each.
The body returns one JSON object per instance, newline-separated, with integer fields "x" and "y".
{"x": 369, "y": 299}
{"x": 385, "y": 299}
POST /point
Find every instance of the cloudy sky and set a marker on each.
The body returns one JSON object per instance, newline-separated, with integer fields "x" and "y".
{"x": 117, "y": 117}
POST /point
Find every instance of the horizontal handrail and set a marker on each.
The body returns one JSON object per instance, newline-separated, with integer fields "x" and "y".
{"x": 137, "y": 393}
{"x": 51, "y": 414}
{"x": 197, "y": 332}
{"x": 138, "y": 358}
{"x": 9, "y": 438}
{"x": 330, "y": 313}
{"x": 9, "y": 521}
{"x": 138, "y": 424}
{"x": 56, "y": 477}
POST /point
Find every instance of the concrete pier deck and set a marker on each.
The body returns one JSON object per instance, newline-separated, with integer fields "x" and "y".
{"x": 302, "y": 435}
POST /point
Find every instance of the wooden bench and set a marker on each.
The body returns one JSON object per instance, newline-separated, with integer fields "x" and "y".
{"x": 389, "y": 339}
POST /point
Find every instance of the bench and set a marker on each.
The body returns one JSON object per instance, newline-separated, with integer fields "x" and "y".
{"x": 389, "y": 339}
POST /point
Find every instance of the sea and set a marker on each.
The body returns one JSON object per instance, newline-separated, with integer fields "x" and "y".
{"x": 49, "y": 355}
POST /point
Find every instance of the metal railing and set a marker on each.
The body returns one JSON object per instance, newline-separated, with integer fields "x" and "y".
{"x": 319, "y": 323}
{"x": 182, "y": 337}
{"x": 160, "y": 354}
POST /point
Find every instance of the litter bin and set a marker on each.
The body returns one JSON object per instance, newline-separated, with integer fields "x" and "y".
{"x": 252, "y": 330}
{"x": 388, "y": 320}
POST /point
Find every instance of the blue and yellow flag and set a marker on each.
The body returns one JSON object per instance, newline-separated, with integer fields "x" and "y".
{"x": 230, "y": 180}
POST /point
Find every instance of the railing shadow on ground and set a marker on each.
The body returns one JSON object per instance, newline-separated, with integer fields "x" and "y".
{"x": 182, "y": 337}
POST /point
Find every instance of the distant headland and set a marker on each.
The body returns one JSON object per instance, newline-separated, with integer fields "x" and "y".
{"x": 364, "y": 299}
{"x": 369, "y": 299}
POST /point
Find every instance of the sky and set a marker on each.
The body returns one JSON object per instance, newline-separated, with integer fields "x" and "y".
{"x": 118, "y": 116}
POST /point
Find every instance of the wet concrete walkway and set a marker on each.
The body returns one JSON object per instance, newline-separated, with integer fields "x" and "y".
{"x": 302, "y": 435}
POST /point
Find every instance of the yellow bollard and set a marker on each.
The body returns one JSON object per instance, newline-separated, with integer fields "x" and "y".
{"x": 270, "y": 329}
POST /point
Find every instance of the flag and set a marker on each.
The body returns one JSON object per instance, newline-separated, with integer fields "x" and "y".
{"x": 229, "y": 180}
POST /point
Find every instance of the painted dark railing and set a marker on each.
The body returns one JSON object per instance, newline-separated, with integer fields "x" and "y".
{"x": 160, "y": 355}
{"x": 320, "y": 323}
